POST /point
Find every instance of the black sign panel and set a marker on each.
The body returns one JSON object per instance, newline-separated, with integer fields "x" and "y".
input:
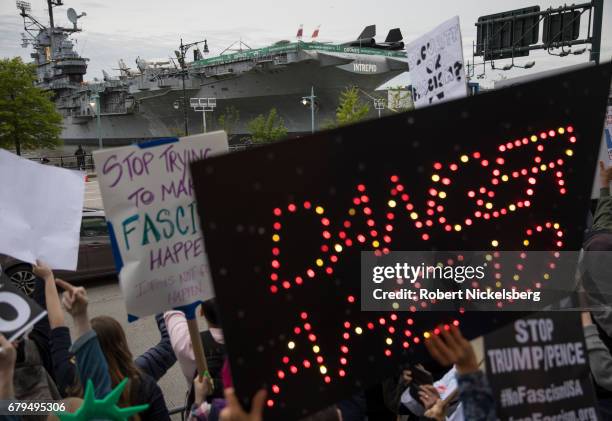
{"x": 520, "y": 31}
{"x": 284, "y": 226}
{"x": 539, "y": 365}
{"x": 561, "y": 27}
{"x": 17, "y": 311}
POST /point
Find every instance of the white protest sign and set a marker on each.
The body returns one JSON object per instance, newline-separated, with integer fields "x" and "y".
{"x": 41, "y": 207}
{"x": 148, "y": 198}
{"x": 436, "y": 65}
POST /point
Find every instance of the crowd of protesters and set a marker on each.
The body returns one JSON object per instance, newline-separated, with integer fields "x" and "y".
{"x": 52, "y": 362}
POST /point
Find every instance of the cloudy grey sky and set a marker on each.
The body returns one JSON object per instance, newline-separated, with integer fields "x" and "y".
{"x": 126, "y": 29}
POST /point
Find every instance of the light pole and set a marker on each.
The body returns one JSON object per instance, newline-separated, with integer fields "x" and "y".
{"x": 310, "y": 100}
{"x": 180, "y": 55}
{"x": 379, "y": 104}
{"x": 95, "y": 104}
{"x": 203, "y": 105}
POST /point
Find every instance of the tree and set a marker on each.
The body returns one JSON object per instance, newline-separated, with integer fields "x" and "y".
{"x": 351, "y": 109}
{"x": 268, "y": 128}
{"x": 28, "y": 119}
{"x": 228, "y": 120}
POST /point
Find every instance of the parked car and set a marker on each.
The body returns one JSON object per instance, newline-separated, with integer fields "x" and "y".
{"x": 95, "y": 256}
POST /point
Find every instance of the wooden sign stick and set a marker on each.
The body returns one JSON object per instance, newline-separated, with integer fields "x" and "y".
{"x": 198, "y": 347}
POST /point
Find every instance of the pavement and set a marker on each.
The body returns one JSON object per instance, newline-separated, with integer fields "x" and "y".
{"x": 93, "y": 199}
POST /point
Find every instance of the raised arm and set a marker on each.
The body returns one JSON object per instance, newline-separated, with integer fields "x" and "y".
{"x": 54, "y": 307}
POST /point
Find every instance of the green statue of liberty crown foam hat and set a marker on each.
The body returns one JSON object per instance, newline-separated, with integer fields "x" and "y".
{"x": 102, "y": 409}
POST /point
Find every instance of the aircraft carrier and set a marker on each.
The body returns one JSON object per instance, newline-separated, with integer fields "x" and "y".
{"x": 153, "y": 99}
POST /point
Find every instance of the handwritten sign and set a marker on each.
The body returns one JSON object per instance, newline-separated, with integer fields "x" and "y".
{"x": 157, "y": 243}
{"x": 436, "y": 65}
{"x": 40, "y": 208}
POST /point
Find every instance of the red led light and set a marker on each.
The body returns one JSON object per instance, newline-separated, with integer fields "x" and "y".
{"x": 293, "y": 369}
{"x": 273, "y": 289}
{"x": 387, "y": 352}
{"x": 297, "y": 330}
{"x": 278, "y": 211}
{"x": 570, "y": 129}
{"x": 476, "y": 155}
{"x": 370, "y": 325}
{"x": 484, "y": 163}
{"x": 291, "y": 207}
{"x": 455, "y": 322}
{"x": 304, "y": 315}
{"x": 286, "y": 284}
{"x": 306, "y": 364}
{"x": 343, "y": 361}
{"x": 362, "y": 187}
{"x": 307, "y": 326}
{"x": 551, "y": 133}
{"x": 280, "y": 374}
{"x": 275, "y": 389}
{"x": 312, "y": 337}
{"x": 344, "y": 349}
{"x": 416, "y": 340}
{"x": 471, "y": 194}
{"x": 270, "y": 403}
{"x": 381, "y": 321}
{"x": 347, "y": 325}
{"x": 341, "y": 373}
{"x": 425, "y": 237}
{"x": 327, "y": 379}
{"x": 310, "y": 273}
{"x": 453, "y": 167}
{"x": 437, "y": 166}
{"x": 307, "y": 205}
{"x": 320, "y": 359}
{"x": 543, "y": 135}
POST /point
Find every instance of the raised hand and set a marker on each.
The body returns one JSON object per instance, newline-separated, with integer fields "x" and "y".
{"x": 450, "y": 347}
{"x": 234, "y": 412}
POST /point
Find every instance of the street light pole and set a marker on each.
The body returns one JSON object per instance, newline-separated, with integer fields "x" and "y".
{"x": 312, "y": 105}
{"x": 183, "y": 70}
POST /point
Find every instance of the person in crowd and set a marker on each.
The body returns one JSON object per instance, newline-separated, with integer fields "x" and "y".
{"x": 141, "y": 388}
{"x": 80, "y": 157}
{"x": 8, "y": 356}
{"x": 475, "y": 395}
{"x": 212, "y": 340}
{"x": 429, "y": 394}
{"x": 89, "y": 363}
{"x": 595, "y": 273}
{"x": 214, "y": 349}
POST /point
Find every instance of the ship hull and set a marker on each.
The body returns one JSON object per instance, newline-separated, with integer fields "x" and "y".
{"x": 252, "y": 93}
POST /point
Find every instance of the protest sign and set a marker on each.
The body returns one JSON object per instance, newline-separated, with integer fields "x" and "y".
{"x": 435, "y": 62}
{"x": 154, "y": 228}
{"x": 40, "y": 210}
{"x": 285, "y": 243}
{"x": 538, "y": 367}
{"x": 17, "y": 312}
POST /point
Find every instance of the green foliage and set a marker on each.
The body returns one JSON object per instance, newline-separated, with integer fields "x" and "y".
{"x": 268, "y": 128}
{"x": 228, "y": 120}
{"x": 28, "y": 119}
{"x": 351, "y": 109}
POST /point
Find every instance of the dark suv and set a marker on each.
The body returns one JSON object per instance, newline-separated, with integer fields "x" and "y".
{"x": 95, "y": 255}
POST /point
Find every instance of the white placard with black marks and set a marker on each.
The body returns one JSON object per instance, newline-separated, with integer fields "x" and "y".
{"x": 436, "y": 65}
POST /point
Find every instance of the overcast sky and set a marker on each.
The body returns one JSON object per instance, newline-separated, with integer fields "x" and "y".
{"x": 126, "y": 29}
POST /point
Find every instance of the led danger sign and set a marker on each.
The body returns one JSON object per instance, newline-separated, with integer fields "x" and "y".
{"x": 285, "y": 226}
